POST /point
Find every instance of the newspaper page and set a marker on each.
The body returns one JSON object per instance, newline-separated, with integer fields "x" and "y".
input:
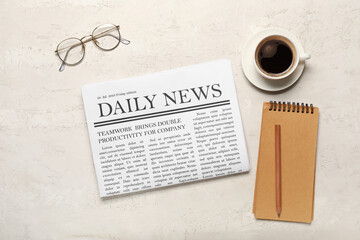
{"x": 166, "y": 128}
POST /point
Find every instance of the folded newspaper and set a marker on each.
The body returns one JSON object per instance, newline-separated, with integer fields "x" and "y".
{"x": 166, "y": 128}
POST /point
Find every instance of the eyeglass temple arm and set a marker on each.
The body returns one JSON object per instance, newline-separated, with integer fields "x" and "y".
{"x": 122, "y": 40}
{"x": 62, "y": 67}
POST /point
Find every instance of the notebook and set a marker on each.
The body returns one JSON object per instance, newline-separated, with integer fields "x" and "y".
{"x": 299, "y": 127}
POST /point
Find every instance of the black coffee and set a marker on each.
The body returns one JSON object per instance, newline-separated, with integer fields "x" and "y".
{"x": 275, "y": 56}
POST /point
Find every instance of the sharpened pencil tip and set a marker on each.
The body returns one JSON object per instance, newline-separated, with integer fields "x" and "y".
{"x": 278, "y": 214}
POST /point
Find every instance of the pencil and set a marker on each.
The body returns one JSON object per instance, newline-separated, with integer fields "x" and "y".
{"x": 278, "y": 169}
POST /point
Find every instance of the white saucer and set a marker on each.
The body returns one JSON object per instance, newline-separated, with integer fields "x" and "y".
{"x": 248, "y": 65}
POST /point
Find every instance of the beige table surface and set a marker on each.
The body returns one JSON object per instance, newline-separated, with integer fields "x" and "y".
{"x": 48, "y": 188}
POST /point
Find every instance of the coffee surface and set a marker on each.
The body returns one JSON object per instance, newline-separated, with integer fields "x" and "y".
{"x": 275, "y": 56}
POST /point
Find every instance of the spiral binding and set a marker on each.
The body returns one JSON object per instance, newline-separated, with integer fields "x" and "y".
{"x": 291, "y": 107}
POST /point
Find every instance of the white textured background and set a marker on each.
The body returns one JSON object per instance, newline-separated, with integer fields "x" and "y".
{"x": 48, "y": 188}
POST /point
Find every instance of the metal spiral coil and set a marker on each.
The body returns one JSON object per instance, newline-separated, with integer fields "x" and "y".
{"x": 288, "y": 107}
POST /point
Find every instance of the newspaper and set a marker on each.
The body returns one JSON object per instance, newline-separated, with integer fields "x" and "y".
{"x": 166, "y": 128}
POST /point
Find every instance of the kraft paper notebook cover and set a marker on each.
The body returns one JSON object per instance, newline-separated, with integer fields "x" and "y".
{"x": 299, "y": 127}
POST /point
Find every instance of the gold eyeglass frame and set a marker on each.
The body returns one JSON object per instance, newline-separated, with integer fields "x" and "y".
{"x": 89, "y": 38}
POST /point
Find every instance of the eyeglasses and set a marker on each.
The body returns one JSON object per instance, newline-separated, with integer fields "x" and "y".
{"x": 71, "y": 51}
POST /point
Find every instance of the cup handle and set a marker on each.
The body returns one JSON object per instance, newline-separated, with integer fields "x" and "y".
{"x": 305, "y": 56}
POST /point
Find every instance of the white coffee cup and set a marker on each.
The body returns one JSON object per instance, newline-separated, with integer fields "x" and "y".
{"x": 284, "y": 66}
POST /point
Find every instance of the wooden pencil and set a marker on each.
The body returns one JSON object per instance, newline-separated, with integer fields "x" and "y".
{"x": 278, "y": 169}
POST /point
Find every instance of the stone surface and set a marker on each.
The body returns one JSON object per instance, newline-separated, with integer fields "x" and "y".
{"x": 47, "y": 180}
